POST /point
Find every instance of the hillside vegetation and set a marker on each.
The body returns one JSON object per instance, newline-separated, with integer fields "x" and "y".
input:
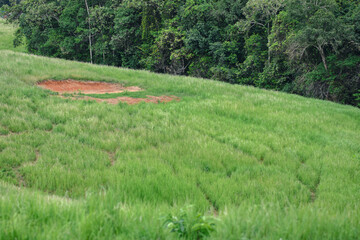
{"x": 253, "y": 164}
{"x": 307, "y": 47}
{"x": 7, "y": 32}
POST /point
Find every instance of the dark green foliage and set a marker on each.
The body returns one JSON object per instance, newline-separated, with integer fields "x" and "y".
{"x": 3, "y": 2}
{"x": 357, "y": 98}
{"x": 307, "y": 47}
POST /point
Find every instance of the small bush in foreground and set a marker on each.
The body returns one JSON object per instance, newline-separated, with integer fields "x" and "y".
{"x": 190, "y": 225}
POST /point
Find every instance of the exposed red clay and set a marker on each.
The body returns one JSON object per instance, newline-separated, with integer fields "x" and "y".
{"x": 86, "y": 87}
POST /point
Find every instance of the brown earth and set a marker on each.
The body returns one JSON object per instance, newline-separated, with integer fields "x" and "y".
{"x": 86, "y": 87}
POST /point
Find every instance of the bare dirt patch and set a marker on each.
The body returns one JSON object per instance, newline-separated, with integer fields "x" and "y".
{"x": 89, "y": 87}
{"x": 86, "y": 87}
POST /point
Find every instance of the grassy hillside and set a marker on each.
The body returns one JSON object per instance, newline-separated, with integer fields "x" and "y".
{"x": 259, "y": 164}
{"x": 6, "y": 37}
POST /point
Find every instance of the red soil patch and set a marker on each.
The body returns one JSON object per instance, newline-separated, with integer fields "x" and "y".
{"x": 88, "y": 87}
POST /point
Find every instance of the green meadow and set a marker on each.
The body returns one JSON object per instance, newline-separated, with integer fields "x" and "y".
{"x": 225, "y": 162}
{"x": 7, "y": 36}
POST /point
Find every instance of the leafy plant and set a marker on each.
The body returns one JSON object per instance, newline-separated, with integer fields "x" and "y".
{"x": 189, "y": 225}
{"x": 357, "y": 99}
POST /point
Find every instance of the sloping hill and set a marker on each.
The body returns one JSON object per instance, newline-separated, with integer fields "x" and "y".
{"x": 7, "y": 32}
{"x": 264, "y": 164}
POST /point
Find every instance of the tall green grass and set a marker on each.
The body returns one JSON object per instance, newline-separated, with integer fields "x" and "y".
{"x": 267, "y": 165}
{"x": 7, "y": 36}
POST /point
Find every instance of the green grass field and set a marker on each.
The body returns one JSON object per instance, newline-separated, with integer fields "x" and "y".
{"x": 6, "y": 37}
{"x": 258, "y": 164}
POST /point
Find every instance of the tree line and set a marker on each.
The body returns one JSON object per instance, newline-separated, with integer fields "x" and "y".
{"x": 307, "y": 47}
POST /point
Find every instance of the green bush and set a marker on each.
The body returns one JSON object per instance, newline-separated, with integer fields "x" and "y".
{"x": 189, "y": 225}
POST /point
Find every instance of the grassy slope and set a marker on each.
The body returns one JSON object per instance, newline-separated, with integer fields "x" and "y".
{"x": 272, "y": 165}
{"x": 6, "y": 37}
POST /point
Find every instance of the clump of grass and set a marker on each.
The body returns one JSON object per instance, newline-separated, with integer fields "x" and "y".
{"x": 140, "y": 94}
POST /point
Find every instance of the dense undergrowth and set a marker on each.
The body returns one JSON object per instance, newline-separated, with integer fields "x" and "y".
{"x": 254, "y": 164}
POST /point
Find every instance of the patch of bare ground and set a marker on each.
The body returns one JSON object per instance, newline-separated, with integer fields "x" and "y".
{"x": 112, "y": 158}
{"x": 89, "y": 87}
{"x": 86, "y": 87}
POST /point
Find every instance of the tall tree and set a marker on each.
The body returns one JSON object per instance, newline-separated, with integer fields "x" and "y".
{"x": 89, "y": 22}
{"x": 322, "y": 30}
{"x": 262, "y": 13}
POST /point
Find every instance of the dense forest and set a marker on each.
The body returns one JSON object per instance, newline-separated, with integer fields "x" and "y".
{"x": 307, "y": 47}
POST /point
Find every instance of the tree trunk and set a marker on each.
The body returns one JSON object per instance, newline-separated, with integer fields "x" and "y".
{"x": 323, "y": 57}
{"x": 90, "y": 43}
{"x": 268, "y": 35}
